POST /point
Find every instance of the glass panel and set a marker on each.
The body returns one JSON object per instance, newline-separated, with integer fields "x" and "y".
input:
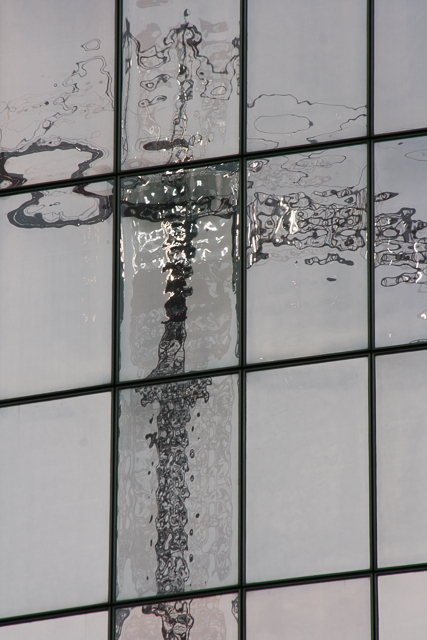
{"x": 400, "y": 58}
{"x": 213, "y": 618}
{"x": 92, "y": 626}
{"x": 177, "y": 502}
{"x": 401, "y": 242}
{"x": 325, "y": 611}
{"x": 54, "y": 501}
{"x": 402, "y": 458}
{"x": 179, "y": 271}
{"x": 55, "y": 288}
{"x": 307, "y": 470}
{"x": 307, "y": 72}
{"x": 56, "y": 114}
{"x": 402, "y": 606}
{"x": 306, "y": 282}
{"x": 180, "y": 81}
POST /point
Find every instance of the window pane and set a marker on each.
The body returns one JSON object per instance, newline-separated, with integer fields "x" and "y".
{"x": 55, "y": 288}
{"x": 402, "y": 458}
{"x": 54, "y": 501}
{"x": 177, "y": 501}
{"x": 179, "y": 271}
{"x": 401, "y": 241}
{"x": 307, "y": 77}
{"x": 180, "y": 81}
{"x": 306, "y": 282}
{"x": 92, "y": 626}
{"x": 56, "y": 114}
{"x": 400, "y": 58}
{"x": 325, "y": 611}
{"x": 307, "y": 470}
{"x": 402, "y": 606}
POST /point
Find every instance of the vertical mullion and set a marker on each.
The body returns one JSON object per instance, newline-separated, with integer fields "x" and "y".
{"x": 373, "y": 494}
{"x": 243, "y": 75}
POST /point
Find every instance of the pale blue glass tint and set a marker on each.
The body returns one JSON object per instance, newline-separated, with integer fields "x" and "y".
{"x": 180, "y": 81}
{"x": 56, "y": 90}
{"x": 179, "y": 271}
{"x": 55, "y": 289}
{"x": 55, "y": 504}
{"x": 402, "y": 458}
{"x": 306, "y": 254}
{"x": 402, "y": 606}
{"x": 306, "y": 72}
{"x": 401, "y": 242}
{"x": 307, "y": 494}
{"x": 322, "y": 611}
{"x": 92, "y": 626}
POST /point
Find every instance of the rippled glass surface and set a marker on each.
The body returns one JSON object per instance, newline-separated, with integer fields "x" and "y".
{"x": 55, "y": 289}
{"x": 307, "y": 500}
{"x": 401, "y": 241}
{"x": 306, "y": 254}
{"x": 324, "y": 611}
{"x": 55, "y": 504}
{"x": 177, "y": 487}
{"x": 179, "y": 271}
{"x": 402, "y": 458}
{"x": 56, "y": 90}
{"x": 180, "y": 81}
{"x": 92, "y": 626}
{"x": 307, "y": 78}
{"x": 402, "y": 606}
{"x": 214, "y": 617}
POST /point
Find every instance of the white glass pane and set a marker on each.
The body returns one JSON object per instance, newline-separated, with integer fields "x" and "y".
{"x": 180, "y": 81}
{"x": 92, "y": 626}
{"x": 402, "y": 606}
{"x": 307, "y": 72}
{"x": 54, "y": 501}
{"x": 401, "y": 241}
{"x": 400, "y": 60}
{"x": 307, "y": 470}
{"x": 55, "y": 289}
{"x": 177, "y": 487}
{"x": 56, "y": 109}
{"x": 402, "y": 458}
{"x": 306, "y": 254}
{"x": 323, "y": 611}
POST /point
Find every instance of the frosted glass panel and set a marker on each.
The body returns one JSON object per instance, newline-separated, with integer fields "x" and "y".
{"x": 401, "y": 241}
{"x": 213, "y": 618}
{"x": 324, "y": 611}
{"x": 307, "y": 78}
{"x": 55, "y": 289}
{"x": 402, "y": 458}
{"x": 54, "y": 501}
{"x": 178, "y": 482}
{"x": 92, "y": 626}
{"x": 180, "y": 81}
{"x": 56, "y": 108}
{"x": 400, "y": 60}
{"x": 307, "y": 470}
{"x": 179, "y": 271}
{"x": 306, "y": 254}
{"x": 402, "y": 606}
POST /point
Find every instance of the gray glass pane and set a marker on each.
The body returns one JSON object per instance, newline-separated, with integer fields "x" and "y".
{"x": 401, "y": 241}
{"x": 323, "y": 611}
{"x": 54, "y": 501}
{"x": 56, "y": 104}
{"x": 307, "y": 78}
{"x": 400, "y": 60}
{"x": 306, "y": 254}
{"x": 180, "y": 81}
{"x": 92, "y": 626}
{"x": 179, "y": 271}
{"x": 307, "y": 500}
{"x": 55, "y": 289}
{"x": 212, "y": 618}
{"x": 402, "y": 606}
{"x": 177, "y": 487}
{"x": 402, "y": 458}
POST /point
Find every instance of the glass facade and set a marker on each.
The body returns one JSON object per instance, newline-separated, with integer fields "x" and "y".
{"x": 213, "y": 329}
